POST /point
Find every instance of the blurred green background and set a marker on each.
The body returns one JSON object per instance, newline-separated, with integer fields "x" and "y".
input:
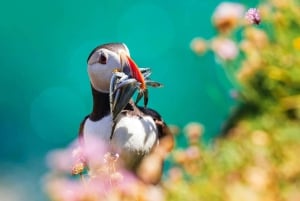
{"x": 45, "y": 90}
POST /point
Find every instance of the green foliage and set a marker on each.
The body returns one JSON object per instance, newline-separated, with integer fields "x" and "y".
{"x": 257, "y": 159}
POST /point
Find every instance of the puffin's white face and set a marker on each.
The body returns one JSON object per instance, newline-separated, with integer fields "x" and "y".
{"x": 101, "y": 64}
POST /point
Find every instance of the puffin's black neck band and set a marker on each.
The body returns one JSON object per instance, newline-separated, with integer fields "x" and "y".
{"x": 100, "y": 105}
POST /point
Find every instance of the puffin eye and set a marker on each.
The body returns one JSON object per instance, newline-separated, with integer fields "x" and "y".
{"x": 102, "y": 58}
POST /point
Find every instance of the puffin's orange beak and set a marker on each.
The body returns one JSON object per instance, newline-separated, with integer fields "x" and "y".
{"x": 129, "y": 67}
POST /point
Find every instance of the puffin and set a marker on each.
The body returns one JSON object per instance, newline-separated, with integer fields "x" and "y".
{"x": 136, "y": 133}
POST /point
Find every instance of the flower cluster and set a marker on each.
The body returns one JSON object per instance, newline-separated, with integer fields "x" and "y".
{"x": 257, "y": 157}
{"x": 256, "y": 161}
{"x": 258, "y": 49}
{"x": 93, "y": 172}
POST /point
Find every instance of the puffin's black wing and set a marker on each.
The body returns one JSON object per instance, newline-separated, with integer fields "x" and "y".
{"x": 80, "y": 132}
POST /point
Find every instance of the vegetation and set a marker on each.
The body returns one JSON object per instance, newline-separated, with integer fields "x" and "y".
{"x": 256, "y": 158}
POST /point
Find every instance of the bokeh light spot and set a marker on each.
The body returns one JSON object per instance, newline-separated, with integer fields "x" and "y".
{"x": 56, "y": 114}
{"x": 148, "y": 28}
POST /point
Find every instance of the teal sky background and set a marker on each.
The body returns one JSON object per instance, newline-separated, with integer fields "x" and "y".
{"x": 45, "y": 91}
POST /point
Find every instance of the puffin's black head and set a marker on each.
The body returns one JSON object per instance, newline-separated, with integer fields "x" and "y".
{"x": 107, "y": 58}
{"x": 103, "y": 60}
{"x": 113, "y": 47}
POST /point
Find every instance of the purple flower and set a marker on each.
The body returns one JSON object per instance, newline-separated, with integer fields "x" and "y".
{"x": 252, "y": 15}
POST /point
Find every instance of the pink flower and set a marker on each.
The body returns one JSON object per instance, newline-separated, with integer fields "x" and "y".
{"x": 77, "y": 156}
{"x": 99, "y": 174}
{"x": 225, "y": 48}
{"x": 252, "y": 15}
{"x": 227, "y": 16}
{"x": 61, "y": 160}
{"x": 94, "y": 150}
{"x": 193, "y": 153}
{"x": 63, "y": 189}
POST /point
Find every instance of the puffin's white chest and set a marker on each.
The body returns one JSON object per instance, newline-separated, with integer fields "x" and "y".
{"x": 132, "y": 134}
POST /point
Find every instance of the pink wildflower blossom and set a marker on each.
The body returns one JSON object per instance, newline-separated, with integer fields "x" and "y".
{"x": 252, "y": 15}
{"x": 225, "y": 48}
{"x": 227, "y": 16}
